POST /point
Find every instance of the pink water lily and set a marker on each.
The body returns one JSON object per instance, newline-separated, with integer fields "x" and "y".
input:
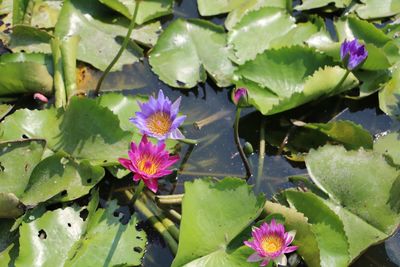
{"x": 148, "y": 162}
{"x": 270, "y": 243}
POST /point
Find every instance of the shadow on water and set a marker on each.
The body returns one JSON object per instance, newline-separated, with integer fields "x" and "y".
{"x": 217, "y": 155}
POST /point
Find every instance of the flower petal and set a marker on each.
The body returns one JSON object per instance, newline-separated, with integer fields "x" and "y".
{"x": 281, "y": 260}
{"x": 151, "y": 184}
{"x": 254, "y": 257}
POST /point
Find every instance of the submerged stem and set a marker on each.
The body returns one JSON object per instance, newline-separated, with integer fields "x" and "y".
{"x": 121, "y": 50}
{"x": 261, "y": 155}
{"x": 239, "y": 146}
{"x": 341, "y": 81}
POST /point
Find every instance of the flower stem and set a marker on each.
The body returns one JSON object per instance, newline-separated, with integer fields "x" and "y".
{"x": 261, "y": 154}
{"x": 157, "y": 225}
{"x": 340, "y": 83}
{"x": 169, "y": 200}
{"x": 239, "y": 146}
{"x": 138, "y": 190}
{"x": 189, "y": 141}
{"x": 121, "y": 50}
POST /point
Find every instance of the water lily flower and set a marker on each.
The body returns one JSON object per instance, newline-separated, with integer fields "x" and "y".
{"x": 240, "y": 97}
{"x": 159, "y": 118}
{"x": 353, "y": 54}
{"x": 148, "y": 162}
{"x": 40, "y": 97}
{"x": 270, "y": 243}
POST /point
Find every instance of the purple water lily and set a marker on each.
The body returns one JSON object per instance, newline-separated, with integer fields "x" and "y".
{"x": 159, "y": 118}
{"x": 270, "y": 243}
{"x": 353, "y": 54}
{"x": 148, "y": 162}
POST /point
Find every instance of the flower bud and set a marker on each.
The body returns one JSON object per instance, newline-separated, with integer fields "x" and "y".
{"x": 240, "y": 97}
{"x": 353, "y": 54}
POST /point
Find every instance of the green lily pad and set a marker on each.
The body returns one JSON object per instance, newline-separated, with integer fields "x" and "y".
{"x": 325, "y": 224}
{"x": 44, "y": 13}
{"x": 389, "y": 145}
{"x": 24, "y": 77}
{"x": 90, "y": 18}
{"x": 251, "y": 5}
{"x": 389, "y": 96}
{"x": 29, "y": 39}
{"x": 85, "y": 130}
{"x": 252, "y": 28}
{"x": 347, "y": 133}
{"x": 18, "y": 159}
{"x": 350, "y": 178}
{"x": 148, "y": 10}
{"x": 313, "y": 4}
{"x": 211, "y": 7}
{"x": 372, "y": 9}
{"x": 62, "y": 238}
{"x": 188, "y": 49}
{"x": 281, "y": 79}
{"x": 10, "y": 206}
{"x": 108, "y": 242}
{"x": 233, "y": 207}
{"x": 4, "y": 110}
{"x": 57, "y": 174}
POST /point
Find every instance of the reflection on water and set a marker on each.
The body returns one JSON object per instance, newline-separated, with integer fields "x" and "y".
{"x": 216, "y": 155}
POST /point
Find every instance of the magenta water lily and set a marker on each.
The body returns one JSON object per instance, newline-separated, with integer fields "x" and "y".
{"x": 159, "y": 118}
{"x": 240, "y": 97}
{"x": 270, "y": 243}
{"x": 353, "y": 54}
{"x": 148, "y": 162}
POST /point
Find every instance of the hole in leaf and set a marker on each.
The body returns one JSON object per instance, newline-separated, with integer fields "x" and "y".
{"x": 137, "y": 249}
{"x": 180, "y": 83}
{"x": 1, "y": 168}
{"x": 64, "y": 193}
{"x": 42, "y": 234}
{"x": 89, "y": 181}
{"x": 69, "y": 225}
{"x": 84, "y": 214}
{"x": 24, "y": 136}
{"x": 139, "y": 237}
{"x": 116, "y": 214}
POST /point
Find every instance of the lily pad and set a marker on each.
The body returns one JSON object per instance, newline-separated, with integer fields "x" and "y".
{"x": 66, "y": 240}
{"x": 389, "y": 145}
{"x": 188, "y": 49}
{"x": 350, "y": 178}
{"x": 57, "y": 174}
{"x": 91, "y": 18}
{"x": 148, "y": 10}
{"x": 24, "y": 77}
{"x": 251, "y": 5}
{"x": 313, "y": 4}
{"x": 281, "y": 79}
{"x": 212, "y": 7}
{"x": 29, "y": 39}
{"x": 259, "y": 28}
{"x": 372, "y": 9}
{"x": 389, "y": 96}
{"x": 233, "y": 207}
{"x": 325, "y": 224}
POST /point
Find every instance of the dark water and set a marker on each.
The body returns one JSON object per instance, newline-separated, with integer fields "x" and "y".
{"x": 217, "y": 155}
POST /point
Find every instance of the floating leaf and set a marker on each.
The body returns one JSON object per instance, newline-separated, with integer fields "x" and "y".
{"x": 86, "y": 131}
{"x": 10, "y": 206}
{"x": 45, "y": 13}
{"x": 211, "y": 7}
{"x": 90, "y": 18}
{"x": 325, "y": 224}
{"x": 281, "y": 79}
{"x": 248, "y": 37}
{"x": 148, "y": 10}
{"x": 372, "y": 9}
{"x": 57, "y": 174}
{"x": 389, "y": 145}
{"x": 24, "y": 77}
{"x": 29, "y": 39}
{"x": 64, "y": 239}
{"x": 350, "y": 178}
{"x": 313, "y": 4}
{"x": 389, "y": 96}
{"x": 233, "y": 207}
{"x": 251, "y": 5}
{"x": 187, "y": 50}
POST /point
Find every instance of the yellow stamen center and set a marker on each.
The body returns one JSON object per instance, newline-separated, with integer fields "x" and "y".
{"x": 159, "y": 123}
{"x": 148, "y": 165}
{"x": 271, "y": 244}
